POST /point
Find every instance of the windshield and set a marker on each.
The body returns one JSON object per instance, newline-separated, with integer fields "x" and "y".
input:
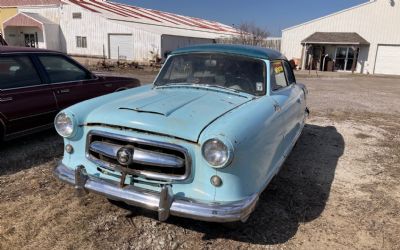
{"x": 237, "y": 73}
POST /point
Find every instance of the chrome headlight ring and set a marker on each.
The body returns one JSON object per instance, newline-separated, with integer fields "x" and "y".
{"x": 65, "y": 124}
{"x": 217, "y": 152}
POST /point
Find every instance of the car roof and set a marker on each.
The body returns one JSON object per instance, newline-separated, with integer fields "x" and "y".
{"x": 14, "y": 49}
{"x": 244, "y": 50}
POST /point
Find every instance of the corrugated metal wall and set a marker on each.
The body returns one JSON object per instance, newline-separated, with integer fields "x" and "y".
{"x": 376, "y": 21}
{"x": 52, "y": 33}
{"x": 97, "y": 29}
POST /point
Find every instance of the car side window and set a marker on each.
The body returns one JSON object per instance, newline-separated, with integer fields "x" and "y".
{"x": 278, "y": 78}
{"x": 60, "y": 69}
{"x": 289, "y": 73}
{"x": 17, "y": 72}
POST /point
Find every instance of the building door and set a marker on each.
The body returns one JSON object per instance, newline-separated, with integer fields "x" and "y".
{"x": 30, "y": 40}
{"x": 388, "y": 60}
{"x": 170, "y": 43}
{"x": 344, "y": 58}
{"x": 121, "y": 46}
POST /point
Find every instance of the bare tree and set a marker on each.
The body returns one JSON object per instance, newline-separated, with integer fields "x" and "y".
{"x": 248, "y": 34}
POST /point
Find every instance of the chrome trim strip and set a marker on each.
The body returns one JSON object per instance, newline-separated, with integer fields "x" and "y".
{"x": 165, "y": 203}
{"x": 146, "y": 174}
{"x": 105, "y": 148}
{"x": 139, "y": 155}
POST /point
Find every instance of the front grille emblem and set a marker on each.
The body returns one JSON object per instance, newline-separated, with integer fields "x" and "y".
{"x": 125, "y": 156}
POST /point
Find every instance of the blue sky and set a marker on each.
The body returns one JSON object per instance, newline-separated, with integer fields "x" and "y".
{"x": 271, "y": 15}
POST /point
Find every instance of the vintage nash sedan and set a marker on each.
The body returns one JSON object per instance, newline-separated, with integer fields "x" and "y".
{"x": 202, "y": 142}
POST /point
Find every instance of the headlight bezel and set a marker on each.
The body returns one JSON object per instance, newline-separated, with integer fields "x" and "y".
{"x": 229, "y": 152}
{"x": 61, "y": 132}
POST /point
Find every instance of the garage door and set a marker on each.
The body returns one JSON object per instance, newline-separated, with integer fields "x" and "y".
{"x": 121, "y": 46}
{"x": 170, "y": 43}
{"x": 388, "y": 60}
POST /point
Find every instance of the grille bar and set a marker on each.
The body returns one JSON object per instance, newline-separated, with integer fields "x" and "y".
{"x": 151, "y": 159}
{"x": 140, "y": 156}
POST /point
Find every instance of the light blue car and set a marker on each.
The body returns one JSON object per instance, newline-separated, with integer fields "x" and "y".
{"x": 203, "y": 141}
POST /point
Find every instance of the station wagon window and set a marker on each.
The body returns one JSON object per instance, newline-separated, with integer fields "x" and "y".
{"x": 278, "y": 78}
{"x": 243, "y": 74}
{"x": 59, "y": 69}
{"x": 17, "y": 72}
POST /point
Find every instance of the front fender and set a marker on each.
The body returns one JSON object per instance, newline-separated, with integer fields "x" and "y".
{"x": 254, "y": 135}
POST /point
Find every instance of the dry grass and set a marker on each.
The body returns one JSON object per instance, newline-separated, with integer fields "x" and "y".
{"x": 338, "y": 189}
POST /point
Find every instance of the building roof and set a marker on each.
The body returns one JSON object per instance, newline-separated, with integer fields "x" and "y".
{"x": 349, "y": 38}
{"x": 15, "y": 3}
{"x": 39, "y": 18}
{"x": 22, "y": 20}
{"x": 243, "y": 50}
{"x": 124, "y": 12}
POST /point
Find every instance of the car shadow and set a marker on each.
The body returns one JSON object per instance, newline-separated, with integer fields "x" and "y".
{"x": 298, "y": 194}
{"x": 28, "y": 151}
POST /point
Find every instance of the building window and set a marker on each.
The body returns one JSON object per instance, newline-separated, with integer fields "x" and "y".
{"x": 81, "y": 42}
{"x": 76, "y": 15}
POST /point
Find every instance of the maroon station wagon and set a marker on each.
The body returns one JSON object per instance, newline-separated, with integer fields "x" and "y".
{"x": 36, "y": 84}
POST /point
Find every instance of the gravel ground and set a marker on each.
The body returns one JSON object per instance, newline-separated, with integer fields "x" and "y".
{"x": 338, "y": 189}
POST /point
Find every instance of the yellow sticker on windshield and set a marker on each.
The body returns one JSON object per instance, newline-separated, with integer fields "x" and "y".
{"x": 278, "y": 69}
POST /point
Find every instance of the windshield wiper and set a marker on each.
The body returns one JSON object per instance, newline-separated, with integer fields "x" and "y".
{"x": 222, "y": 87}
{"x": 197, "y": 86}
{"x": 170, "y": 84}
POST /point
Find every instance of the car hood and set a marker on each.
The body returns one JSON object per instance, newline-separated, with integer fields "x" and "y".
{"x": 177, "y": 112}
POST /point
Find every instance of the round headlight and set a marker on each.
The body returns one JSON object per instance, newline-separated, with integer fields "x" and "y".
{"x": 64, "y": 125}
{"x": 216, "y": 153}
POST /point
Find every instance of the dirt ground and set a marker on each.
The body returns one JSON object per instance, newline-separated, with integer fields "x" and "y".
{"x": 339, "y": 188}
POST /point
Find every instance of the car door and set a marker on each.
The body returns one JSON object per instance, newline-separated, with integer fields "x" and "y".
{"x": 26, "y": 102}
{"x": 71, "y": 82}
{"x": 284, "y": 94}
{"x": 299, "y": 105}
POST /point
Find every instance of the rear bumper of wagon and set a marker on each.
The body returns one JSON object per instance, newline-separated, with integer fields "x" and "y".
{"x": 164, "y": 202}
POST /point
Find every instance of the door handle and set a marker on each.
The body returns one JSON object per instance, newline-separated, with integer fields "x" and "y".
{"x": 6, "y": 99}
{"x": 63, "y": 91}
{"x": 108, "y": 85}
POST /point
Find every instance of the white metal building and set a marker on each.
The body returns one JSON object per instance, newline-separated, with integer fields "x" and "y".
{"x": 99, "y": 28}
{"x": 368, "y": 34}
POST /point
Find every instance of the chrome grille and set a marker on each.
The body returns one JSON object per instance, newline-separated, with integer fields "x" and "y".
{"x": 151, "y": 159}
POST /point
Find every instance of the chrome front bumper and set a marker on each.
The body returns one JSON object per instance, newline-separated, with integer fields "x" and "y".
{"x": 164, "y": 202}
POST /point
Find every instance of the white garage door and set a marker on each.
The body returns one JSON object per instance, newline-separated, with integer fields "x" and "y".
{"x": 121, "y": 46}
{"x": 388, "y": 60}
{"x": 170, "y": 43}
